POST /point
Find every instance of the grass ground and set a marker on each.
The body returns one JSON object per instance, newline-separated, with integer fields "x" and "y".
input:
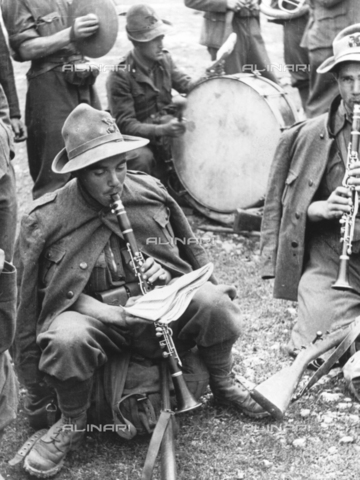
{"x": 318, "y": 440}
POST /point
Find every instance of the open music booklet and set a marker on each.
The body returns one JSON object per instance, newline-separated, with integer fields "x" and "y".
{"x": 167, "y": 303}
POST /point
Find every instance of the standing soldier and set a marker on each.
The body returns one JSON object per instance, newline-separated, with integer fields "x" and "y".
{"x": 241, "y": 16}
{"x": 42, "y": 31}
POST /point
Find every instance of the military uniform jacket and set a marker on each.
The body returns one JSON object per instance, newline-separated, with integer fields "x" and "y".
{"x": 135, "y": 98}
{"x": 297, "y": 169}
{"x": 62, "y": 237}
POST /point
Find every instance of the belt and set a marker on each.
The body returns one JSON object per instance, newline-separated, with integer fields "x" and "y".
{"x": 51, "y": 62}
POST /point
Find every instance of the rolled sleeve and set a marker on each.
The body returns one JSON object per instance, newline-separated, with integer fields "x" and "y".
{"x": 20, "y": 24}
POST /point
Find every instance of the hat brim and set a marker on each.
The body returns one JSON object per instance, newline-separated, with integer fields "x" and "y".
{"x": 329, "y": 64}
{"x": 62, "y": 164}
{"x": 148, "y": 35}
{"x": 102, "y": 41}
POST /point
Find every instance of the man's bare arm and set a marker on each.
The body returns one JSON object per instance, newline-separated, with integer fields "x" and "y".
{"x": 43, "y": 46}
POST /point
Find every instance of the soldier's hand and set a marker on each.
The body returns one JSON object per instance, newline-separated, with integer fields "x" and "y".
{"x": 338, "y": 203}
{"x": 174, "y": 128}
{"x": 85, "y": 26}
{"x": 19, "y": 129}
{"x": 354, "y": 178}
{"x": 153, "y": 272}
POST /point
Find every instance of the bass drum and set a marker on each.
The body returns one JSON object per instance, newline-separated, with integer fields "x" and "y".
{"x": 233, "y": 124}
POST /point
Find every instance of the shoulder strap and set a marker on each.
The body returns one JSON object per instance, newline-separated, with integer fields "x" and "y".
{"x": 115, "y": 377}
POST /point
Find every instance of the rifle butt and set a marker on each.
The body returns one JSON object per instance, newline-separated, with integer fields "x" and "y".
{"x": 275, "y": 393}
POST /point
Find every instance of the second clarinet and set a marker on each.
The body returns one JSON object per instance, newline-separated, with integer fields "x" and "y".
{"x": 347, "y": 220}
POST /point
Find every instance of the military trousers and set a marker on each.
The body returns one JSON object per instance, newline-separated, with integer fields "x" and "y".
{"x": 76, "y": 345}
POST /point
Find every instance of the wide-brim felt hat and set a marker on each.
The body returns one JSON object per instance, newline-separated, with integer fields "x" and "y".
{"x": 346, "y": 48}
{"x": 143, "y": 24}
{"x": 90, "y": 136}
{"x": 102, "y": 41}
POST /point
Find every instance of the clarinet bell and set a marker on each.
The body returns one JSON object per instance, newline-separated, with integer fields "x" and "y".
{"x": 184, "y": 399}
{"x": 342, "y": 281}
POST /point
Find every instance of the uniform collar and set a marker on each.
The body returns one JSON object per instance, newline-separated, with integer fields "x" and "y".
{"x": 136, "y": 66}
{"x": 337, "y": 117}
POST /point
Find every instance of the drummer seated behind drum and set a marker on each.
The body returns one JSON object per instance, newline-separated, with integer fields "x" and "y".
{"x": 70, "y": 248}
{"x": 139, "y": 91}
{"x": 301, "y": 236}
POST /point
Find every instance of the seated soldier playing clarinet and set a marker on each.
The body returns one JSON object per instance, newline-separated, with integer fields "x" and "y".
{"x": 313, "y": 183}
{"x": 71, "y": 247}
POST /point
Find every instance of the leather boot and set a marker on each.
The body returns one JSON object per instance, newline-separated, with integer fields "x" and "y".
{"x": 227, "y": 389}
{"x": 47, "y": 456}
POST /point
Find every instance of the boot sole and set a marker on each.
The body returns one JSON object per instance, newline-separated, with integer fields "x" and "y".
{"x": 243, "y": 410}
{"x": 40, "y": 473}
{"x": 53, "y": 471}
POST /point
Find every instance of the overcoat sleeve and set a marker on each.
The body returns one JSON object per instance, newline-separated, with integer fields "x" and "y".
{"x": 30, "y": 245}
{"x": 7, "y": 306}
{"x": 273, "y": 204}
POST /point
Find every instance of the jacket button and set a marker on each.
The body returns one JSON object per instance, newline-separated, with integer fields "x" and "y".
{"x": 321, "y": 135}
{"x": 83, "y": 265}
{"x": 70, "y": 295}
{"x": 311, "y": 183}
{"x": 294, "y": 244}
{"x": 297, "y": 215}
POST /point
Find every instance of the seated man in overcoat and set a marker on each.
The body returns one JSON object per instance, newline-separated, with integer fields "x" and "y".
{"x": 71, "y": 248}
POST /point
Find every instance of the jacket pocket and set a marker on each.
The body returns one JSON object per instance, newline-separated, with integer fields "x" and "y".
{"x": 162, "y": 218}
{"x": 52, "y": 257}
{"x": 292, "y": 176}
{"x": 49, "y": 24}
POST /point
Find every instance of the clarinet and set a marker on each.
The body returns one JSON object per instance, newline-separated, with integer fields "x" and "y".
{"x": 185, "y": 400}
{"x": 347, "y": 220}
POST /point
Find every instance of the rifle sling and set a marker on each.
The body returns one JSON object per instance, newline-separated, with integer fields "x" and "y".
{"x": 156, "y": 439}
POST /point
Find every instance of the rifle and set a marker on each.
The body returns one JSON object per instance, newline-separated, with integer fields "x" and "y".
{"x": 276, "y": 393}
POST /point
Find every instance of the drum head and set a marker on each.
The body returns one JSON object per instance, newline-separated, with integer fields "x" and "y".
{"x": 224, "y": 158}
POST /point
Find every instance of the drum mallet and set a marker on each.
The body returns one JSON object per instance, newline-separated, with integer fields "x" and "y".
{"x": 180, "y": 103}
